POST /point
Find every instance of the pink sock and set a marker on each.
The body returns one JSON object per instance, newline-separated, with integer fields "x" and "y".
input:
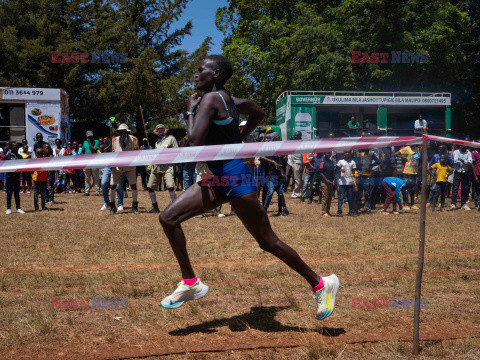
{"x": 319, "y": 286}
{"x": 191, "y": 282}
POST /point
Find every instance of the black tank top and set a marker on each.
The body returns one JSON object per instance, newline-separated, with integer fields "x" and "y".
{"x": 224, "y": 132}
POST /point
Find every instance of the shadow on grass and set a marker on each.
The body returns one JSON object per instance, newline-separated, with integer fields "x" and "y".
{"x": 259, "y": 318}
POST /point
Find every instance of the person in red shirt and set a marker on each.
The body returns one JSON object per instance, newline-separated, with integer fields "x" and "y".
{"x": 40, "y": 179}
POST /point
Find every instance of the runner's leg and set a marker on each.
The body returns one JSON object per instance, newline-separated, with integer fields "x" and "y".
{"x": 255, "y": 219}
{"x": 194, "y": 201}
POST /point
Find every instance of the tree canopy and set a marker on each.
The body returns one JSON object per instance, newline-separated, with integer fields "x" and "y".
{"x": 156, "y": 74}
{"x": 279, "y": 45}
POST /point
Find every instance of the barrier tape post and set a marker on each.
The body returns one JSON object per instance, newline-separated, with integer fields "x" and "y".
{"x": 421, "y": 250}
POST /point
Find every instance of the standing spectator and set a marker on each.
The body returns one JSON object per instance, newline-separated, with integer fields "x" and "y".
{"x": 26, "y": 176}
{"x": 274, "y": 174}
{"x": 346, "y": 169}
{"x": 50, "y": 194}
{"x": 188, "y": 168}
{"x": 353, "y": 126}
{"x": 308, "y": 179}
{"x": 159, "y": 172}
{"x": 69, "y": 173}
{"x": 297, "y": 165}
{"x": 106, "y": 178}
{"x": 90, "y": 146}
{"x": 12, "y": 182}
{"x": 29, "y": 150}
{"x": 442, "y": 171}
{"x": 476, "y": 178}
{"x": 39, "y": 183}
{"x": 328, "y": 174}
{"x": 38, "y": 143}
{"x": 288, "y": 170}
{"x": 79, "y": 178}
{"x": 410, "y": 172}
{"x": 421, "y": 125}
{"x": 462, "y": 161}
{"x": 124, "y": 142}
{"x": 315, "y": 188}
{"x": 393, "y": 187}
{"x": 367, "y": 160}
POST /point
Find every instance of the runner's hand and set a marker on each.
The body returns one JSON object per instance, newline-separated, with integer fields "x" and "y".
{"x": 193, "y": 102}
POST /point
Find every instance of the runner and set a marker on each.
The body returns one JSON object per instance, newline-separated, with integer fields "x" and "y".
{"x": 213, "y": 119}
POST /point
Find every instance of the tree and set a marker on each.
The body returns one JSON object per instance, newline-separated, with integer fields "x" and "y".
{"x": 157, "y": 75}
{"x": 280, "y": 45}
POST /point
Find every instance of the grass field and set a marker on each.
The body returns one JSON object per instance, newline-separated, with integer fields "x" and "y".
{"x": 257, "y": 307}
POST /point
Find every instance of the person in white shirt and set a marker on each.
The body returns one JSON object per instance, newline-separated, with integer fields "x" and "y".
{"x": 20, "y": 150}
{"x": 346, "y": 168}
{"x": 420, "y": 125}
{"x": 462, "y": 162}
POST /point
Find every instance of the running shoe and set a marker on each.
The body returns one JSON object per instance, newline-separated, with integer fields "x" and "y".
{"x": 8, "y": 212}
{"x": 185, "y": 293}
{"x": 120, "y": 208}
{"x": 466, "y": 207}
{"x": 453, "y": 207}
{"x": 104, "y": 207}
{"x": 325, "y": 298}
{"x": 20, "y": 211}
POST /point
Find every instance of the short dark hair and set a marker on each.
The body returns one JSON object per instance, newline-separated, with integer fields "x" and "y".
{"x": 224, "y": 65}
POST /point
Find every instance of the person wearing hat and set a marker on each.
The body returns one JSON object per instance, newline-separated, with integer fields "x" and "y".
{"x": 124, "y": 142}
{"x": 90, "y": 146}
{"x": 160, "y": 172}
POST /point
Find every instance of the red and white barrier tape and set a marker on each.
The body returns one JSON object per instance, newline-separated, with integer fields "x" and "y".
{"x": 204, "y": 153}
{"x": 452, "y": 141}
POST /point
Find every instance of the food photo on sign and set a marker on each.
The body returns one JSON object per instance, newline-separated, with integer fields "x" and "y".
{"x": 43, "y": 117}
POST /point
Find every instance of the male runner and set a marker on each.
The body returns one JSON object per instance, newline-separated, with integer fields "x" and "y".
{"x": 214, "y": 119}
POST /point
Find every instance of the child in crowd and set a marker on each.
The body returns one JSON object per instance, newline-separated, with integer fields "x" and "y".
{"x": 393, "y": 187}
{"x": 59, "y": 184}
{"x": 40, "y": 179}
{"x": 442, "y": 171}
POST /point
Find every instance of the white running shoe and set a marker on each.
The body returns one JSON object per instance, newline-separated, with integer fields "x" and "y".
{"x": 453, "y": 207}
{"x": 120, "y": 208}
{"x": 104, "y": 207}
{"x": 220, "y": 215}
{"x": 8, "y": 212}
{"x": 325, "y": 298}
{"x": 185, "y": 293}
{"x": 20, "y": 211}
{"x": 466, "y": 207}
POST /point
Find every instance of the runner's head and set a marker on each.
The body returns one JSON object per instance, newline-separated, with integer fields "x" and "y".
{"x": 213, "y": 70}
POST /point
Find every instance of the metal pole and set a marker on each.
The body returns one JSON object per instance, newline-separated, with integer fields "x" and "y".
{"x": 421, "y": 252}
{"x": 144, "y": 127}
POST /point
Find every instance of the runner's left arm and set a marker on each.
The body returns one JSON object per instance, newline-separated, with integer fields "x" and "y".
{"x": 253, "y": 111}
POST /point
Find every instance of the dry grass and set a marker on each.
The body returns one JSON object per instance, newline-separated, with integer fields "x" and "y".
{"x": 75, "y": 251}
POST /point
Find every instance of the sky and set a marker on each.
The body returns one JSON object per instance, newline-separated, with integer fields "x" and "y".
{"x": 202, "y": 14}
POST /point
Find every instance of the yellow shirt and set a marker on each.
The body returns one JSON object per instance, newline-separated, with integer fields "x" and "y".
{"x": 442, "y": 172}
{"x": 411, "y": 167}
